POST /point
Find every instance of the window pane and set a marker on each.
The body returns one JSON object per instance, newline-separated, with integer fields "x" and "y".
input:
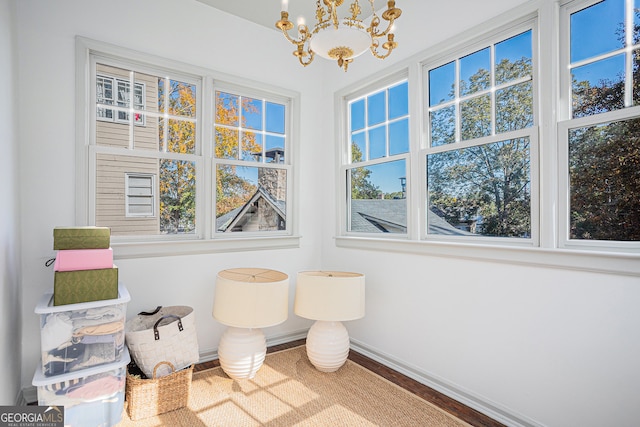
{"x": 177, "y": 196}
{"x": 442, "y": 84}
{"x": 178, "y": 135}
{"x": 252, "y": 113}
{"x": 398, "y": 101}
{"x": 275, "y": 118}
{"x": 636, "y": 22}
{"x": 482, "y": 190}
{"x": 514, "y": 107}
{"x": 250, "y": 199}
{"x": 377, "y": 142}
{"x": 227, "y": 109}
{"x": 636, "y": 77}
{"x": 399, "y": 137}
{"x": 377, "y": 202}
{"x": 358, "y": 147}
{"x": 226, "y": 143}
{"x": 376, "y": 108}
{"x": 513, "y": 58}
{"x": 597, "y": 29}
{"x": 474, "y": 72}
{"x": 176, "y": 98}
{"x": 275, "y": 149}
{"x": 443, "y": 126}
{"x": 475, "y": 117}
{"x": 357, "y": 115}
{"x": 598, "y": 87}
{"x": 604, "y": 161}
{"x": 117, "y": 194}
{"x": 251, "y": 146}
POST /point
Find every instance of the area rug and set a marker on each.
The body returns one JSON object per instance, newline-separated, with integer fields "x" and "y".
{"x": 289, "y": 391}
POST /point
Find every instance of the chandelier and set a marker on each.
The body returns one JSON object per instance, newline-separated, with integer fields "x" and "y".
{"x": 341, "y": 39}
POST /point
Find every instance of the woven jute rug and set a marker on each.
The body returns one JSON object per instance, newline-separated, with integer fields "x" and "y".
{"x": 289, "y": 391}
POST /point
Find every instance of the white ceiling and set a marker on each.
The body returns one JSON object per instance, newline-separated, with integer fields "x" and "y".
{"x": 267, "y": 12}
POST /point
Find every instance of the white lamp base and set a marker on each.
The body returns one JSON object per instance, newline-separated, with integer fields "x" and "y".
{"x": 327, "y": 345}
{"x": 241, "y": 352}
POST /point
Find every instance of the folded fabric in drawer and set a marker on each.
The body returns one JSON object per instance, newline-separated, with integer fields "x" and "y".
{"x": 71, "y": 287}
{"x": 89, "y": 237}
{"x": 83, "y": 259}
{"x": 74, "y": 337}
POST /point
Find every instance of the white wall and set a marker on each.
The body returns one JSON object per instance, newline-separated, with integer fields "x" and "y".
{"x": 186, "y": 31}
{"x": 555, "y": 347}
{"x": 10, "y": 320}
{"x": 536, "y": 346}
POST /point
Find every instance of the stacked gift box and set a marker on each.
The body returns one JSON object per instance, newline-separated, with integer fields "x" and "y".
{"x": 84, "y": 269}
{"x": 83, "y": 353}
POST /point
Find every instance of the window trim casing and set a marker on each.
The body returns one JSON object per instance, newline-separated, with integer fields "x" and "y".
{"x": 136, "y": 247}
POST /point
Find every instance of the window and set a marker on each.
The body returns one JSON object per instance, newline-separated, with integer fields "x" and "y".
{"x": 105, "y": 97}
{"x": 376, "y": 171}
{"x": 140, "y": 195}
{"x": 481, "y": 142}
{"x": 252, "y": 176}
{"x": 600, "y": 139}
{"x": 175, "y": 154}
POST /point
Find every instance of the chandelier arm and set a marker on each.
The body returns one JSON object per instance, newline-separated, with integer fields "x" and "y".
{"x": 389, "y": 45}
{"x": 300, "y": 57}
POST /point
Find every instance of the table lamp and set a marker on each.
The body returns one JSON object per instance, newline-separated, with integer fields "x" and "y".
{"x": 247, "y": 299}
{"x": 330, "y": 298}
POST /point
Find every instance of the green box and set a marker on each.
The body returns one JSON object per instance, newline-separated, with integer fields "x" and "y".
{"x": 71, "y": 287}
{"x": 89, "y": 237}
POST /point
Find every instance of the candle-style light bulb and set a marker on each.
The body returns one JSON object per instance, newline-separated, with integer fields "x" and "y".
{"x": 285, "y": 5}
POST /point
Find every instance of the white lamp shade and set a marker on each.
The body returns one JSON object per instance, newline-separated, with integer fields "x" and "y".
{"x": 251, "y": 297}
{"x": 330, "y": 295}
{"x": 330, "y": 38}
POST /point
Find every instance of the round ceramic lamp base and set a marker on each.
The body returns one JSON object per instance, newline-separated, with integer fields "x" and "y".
{"x": 242, "y": 352}
{"x": 327, "y": 345}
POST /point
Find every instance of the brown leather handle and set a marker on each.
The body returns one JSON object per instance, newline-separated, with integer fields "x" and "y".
{"x": 156, "y": 333}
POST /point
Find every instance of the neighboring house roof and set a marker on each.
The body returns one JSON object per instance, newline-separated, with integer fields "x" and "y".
{"x": 390, "y": 215}
{"x": 227, "y": 221}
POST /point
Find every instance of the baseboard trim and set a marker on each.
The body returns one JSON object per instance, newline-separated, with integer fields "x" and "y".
{"x": 479, "y": 403}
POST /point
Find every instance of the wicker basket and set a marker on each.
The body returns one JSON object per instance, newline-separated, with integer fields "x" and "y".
{"x": 150, "y": 397}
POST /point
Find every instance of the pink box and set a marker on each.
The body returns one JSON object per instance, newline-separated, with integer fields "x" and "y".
{"x": 83, "y": 259}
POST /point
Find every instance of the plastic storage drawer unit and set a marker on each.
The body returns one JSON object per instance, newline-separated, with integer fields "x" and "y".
{"x": 74, "y": 337}
{"x": 93, "y": 397}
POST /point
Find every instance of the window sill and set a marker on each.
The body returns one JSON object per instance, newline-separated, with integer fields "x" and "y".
{"x": 625, "y": 264}
{"x": 126, "y": 250}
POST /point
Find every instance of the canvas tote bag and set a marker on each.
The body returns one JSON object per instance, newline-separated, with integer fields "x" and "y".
{"x": 167, "y": 334}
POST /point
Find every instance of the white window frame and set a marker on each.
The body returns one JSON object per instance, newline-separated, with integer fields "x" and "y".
{"x": 548, "y": 254}
{"x": 490, "y": 39}
{"x": 566, "y": 123}
{"x": 254, "y": 93}
{"x": 204, "y": 240}
{"x": 128, "y": 195}
{"x": 345, "y": 155}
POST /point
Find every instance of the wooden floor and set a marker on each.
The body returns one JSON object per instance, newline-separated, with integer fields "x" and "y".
{"x": 455, "y": 408}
